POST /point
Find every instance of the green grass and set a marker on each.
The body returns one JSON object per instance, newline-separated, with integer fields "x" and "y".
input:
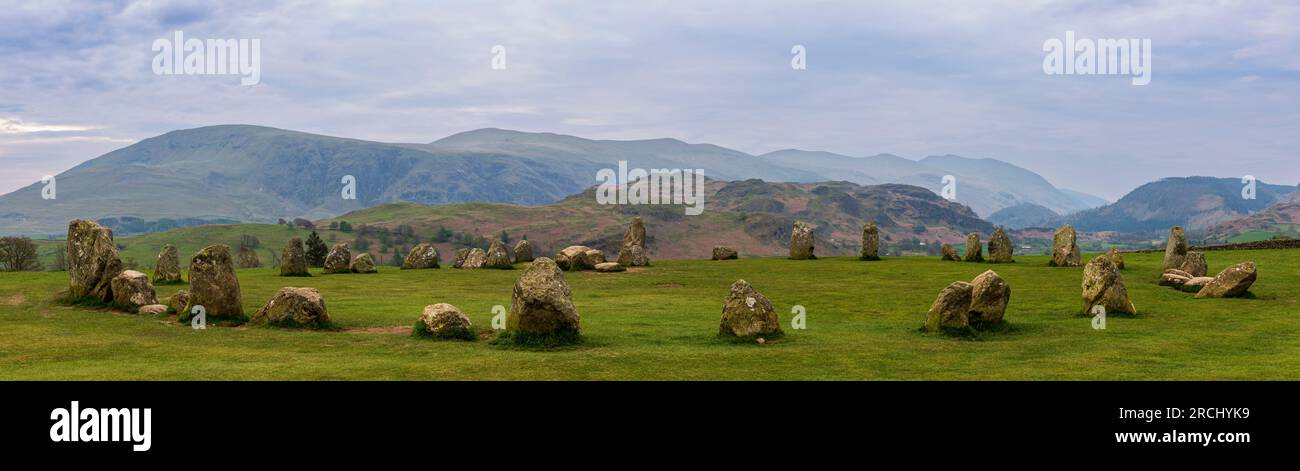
{"x": 661, "y": 323}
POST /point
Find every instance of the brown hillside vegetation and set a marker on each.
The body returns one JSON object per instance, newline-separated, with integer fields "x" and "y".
{"x": 752, "y": 216}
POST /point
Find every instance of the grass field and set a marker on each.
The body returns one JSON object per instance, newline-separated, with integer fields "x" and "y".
{"x": 661, "y": 322}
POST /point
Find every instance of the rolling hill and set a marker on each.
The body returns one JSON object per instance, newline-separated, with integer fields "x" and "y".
{"x": 986, "y": 185}
{"x": 219, "y": 174}
{"x": 1025, "y": 215}
{"x": 1196, "y": 203}
{"x": 752, "y": 216}
{"x": 1282, "y": 219}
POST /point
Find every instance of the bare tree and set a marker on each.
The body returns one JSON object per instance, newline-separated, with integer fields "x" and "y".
{"x": 18, "y": 254}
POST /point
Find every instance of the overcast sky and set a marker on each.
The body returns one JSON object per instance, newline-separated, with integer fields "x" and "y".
{"x": 912, "y": 78}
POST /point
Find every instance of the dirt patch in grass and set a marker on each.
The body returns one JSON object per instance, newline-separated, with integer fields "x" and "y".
{"x": 15, "y": 300}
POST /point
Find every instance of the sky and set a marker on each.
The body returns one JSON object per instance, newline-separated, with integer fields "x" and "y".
{"x": 911, "y": 78}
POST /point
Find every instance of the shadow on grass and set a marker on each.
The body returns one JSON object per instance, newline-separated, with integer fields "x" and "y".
{"x": 980, "y": 331}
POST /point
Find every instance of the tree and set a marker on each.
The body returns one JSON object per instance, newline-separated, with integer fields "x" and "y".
{"x": 316, "y": 250}
{"x": 18, "y": 254}
{"x": 442, "y": 235}
{"x": 344, "y": 226}
{"x": 396, "y": 260}
{"x": 361, "y": 244}
{"x": 505, "y": 237}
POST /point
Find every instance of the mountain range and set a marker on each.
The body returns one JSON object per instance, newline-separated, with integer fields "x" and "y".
{"x": 259, "y": 174}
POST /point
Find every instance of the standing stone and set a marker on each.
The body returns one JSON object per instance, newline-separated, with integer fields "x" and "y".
{"x": 542, "y": 305}
{"x": 339, "y": 259}
{"x": 1000, "y": 248}
{"x": 974, "y": 250}
{"x": 870, "y": 242}
{"x": 362, "y": 263}
{"x": 1115, "y": 257}
{"x": 178, "y": 301}
{"x": 167, "y": 269}
{"x": 1194, "y": 264}
{"x": 1176, "y": 249}
{"x": 248, "y": 257}
{"x": 444, "y": 321}
{"x": 725, "y": 253}
{"x": 523, "y": 251}
{"x": 633, "y": 251}
{"x": 801, "y": 242}
{"x": 213, "y": 285}
{"x": 476, "y": 258}
{"x": 293, "y": 260}
{"x": 1065, "y": 248}
{"x": 423, "y": 256}
{"x": 1103, "y": 285}
{"x": 948, "y": 253}
{"x": 990, "y": 295}
{"x": 92, "y": 261}
{"x": 747, "y": 313}
{"x": 131, "y": 289}
{"x": 294, "y": 307}
{"x": 596, "y": 256}
{"x": 497, "y": 256}
{"x": 1232, "y": 282}
{"x": 574, "y": 258}
{"x": 461, "y": 255}
{"x": 950, "y": 308}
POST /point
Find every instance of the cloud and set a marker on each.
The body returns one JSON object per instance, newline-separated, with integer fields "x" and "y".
{"x": 14, "y": 126}
{"x": 910, "y": 78}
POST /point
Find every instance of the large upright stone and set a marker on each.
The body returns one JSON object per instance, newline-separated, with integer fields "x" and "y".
{"x": 248, "y": 257}
{"x": 293, "y": 260}
{"x": 1115, "y": 257}
{"x": 948, "y": 253}
{"x": 497, "y": 256}
{"x": 294, "y": 307}
{"x": 1065, "y": 248}
{"x": 1232, "y": 282}
{"x": 870, "y": 242}
{"x": 362, "y": 263}
{"x": 523, "y": 251}
{"x": 423, "y": 256}
{"x": 974, "y": 249}
{"x": 459, "y": 261}
{"x": 747, "y": 313}
{"x": 476, "y": 258}
{"x": 131, "y": 289}
{"x": 92, "y": 261}
{"x": 167, "y": 269}
{"x": 990, "y": 295}
{"x": 1175, "y": 249}
{"x": 1000, "y": 248}
{"x": 633, "y": 251}
{"x": 339, "y": 259}
{"x": 1103, "y": 285}
{"x": 213, "y": 284}
{"x": 951, "y": 308}
{"x": 801, "y": 241}
{"x": 542, "y": 305}
{"x": 1194, "y": 263}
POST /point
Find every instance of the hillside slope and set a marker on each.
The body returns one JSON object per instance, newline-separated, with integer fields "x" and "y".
{"x": 1196, "y": 203}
